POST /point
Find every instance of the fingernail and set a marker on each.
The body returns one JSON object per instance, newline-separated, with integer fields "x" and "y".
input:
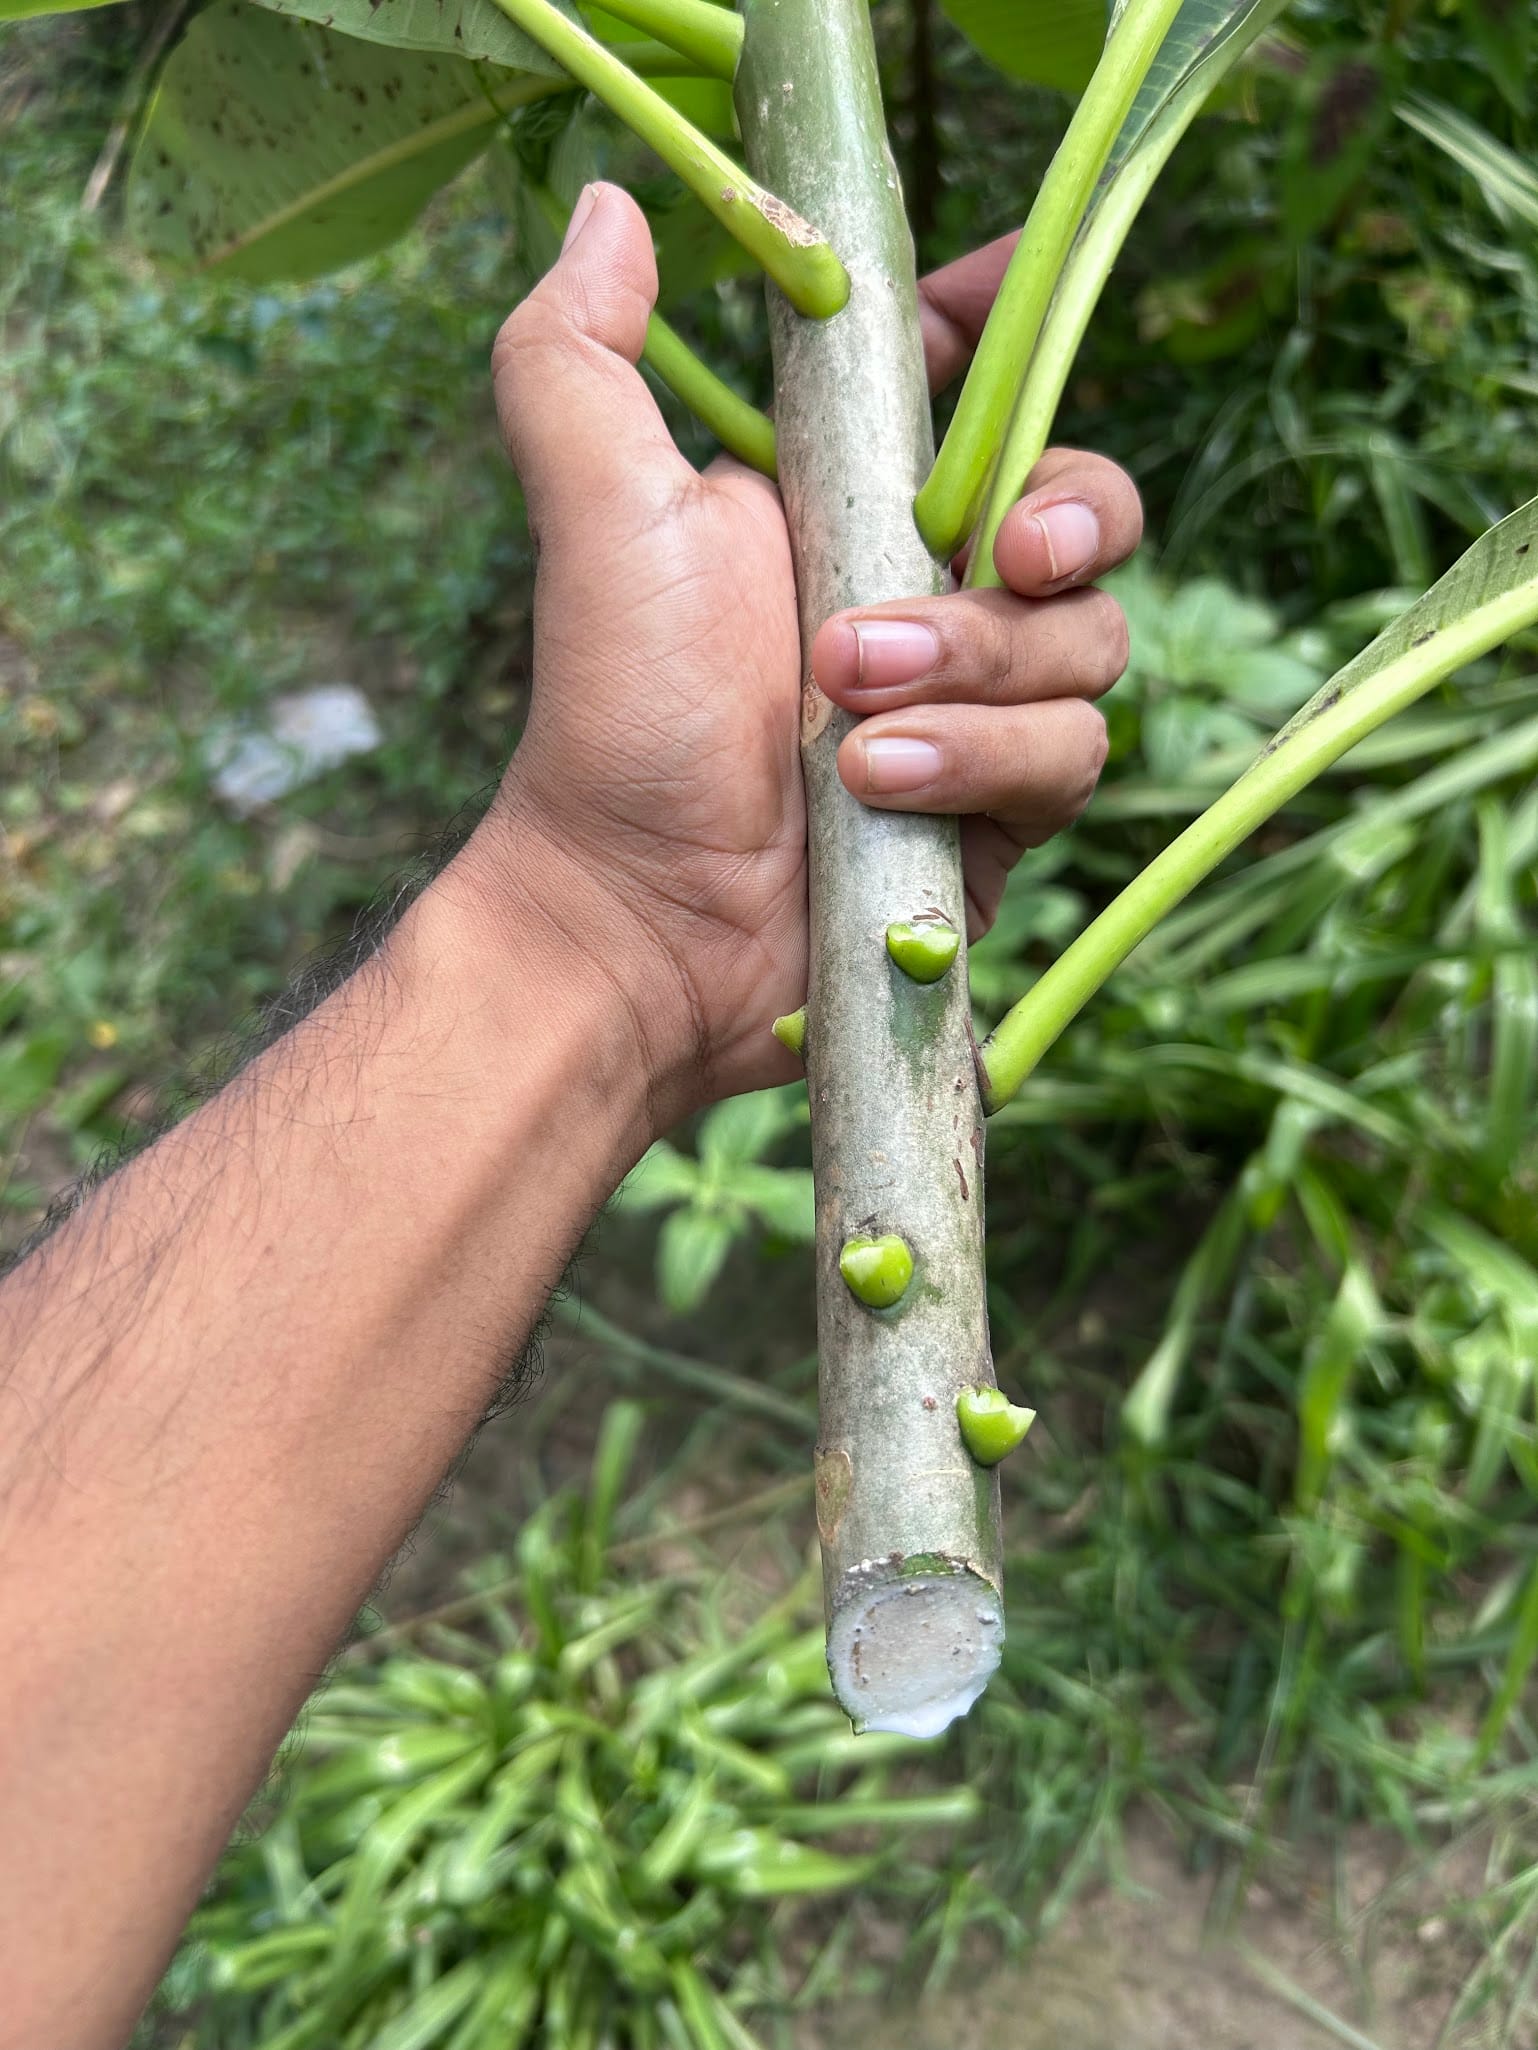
{"x": 1072, "y": 536}
{"x": 893, "y": 651}
{"x": 892, "y": 765}
{"x": 587, "y": 199}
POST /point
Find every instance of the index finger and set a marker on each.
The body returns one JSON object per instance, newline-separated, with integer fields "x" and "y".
{"x": 955, "y": 302}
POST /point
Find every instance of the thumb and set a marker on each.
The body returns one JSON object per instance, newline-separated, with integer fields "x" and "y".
{"x": 576, "y": 414}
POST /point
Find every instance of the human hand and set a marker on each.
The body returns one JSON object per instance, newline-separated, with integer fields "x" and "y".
{"x": 653, "y": 809}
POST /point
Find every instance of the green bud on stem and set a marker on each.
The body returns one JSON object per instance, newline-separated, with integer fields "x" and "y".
{"x": 877, "y": 1271}
{"x": 991, "y": 1425}
{"x": 790, "y": 1030}
{"x": 923, "y": 952}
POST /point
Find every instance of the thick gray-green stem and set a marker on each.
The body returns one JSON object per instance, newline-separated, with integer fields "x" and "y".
{"x": 909, "y": 1522}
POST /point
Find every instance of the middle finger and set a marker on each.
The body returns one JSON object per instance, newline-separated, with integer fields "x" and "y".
{"x": 974, "y": 647}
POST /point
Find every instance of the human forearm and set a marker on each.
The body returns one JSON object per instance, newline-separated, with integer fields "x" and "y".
{"x": 230, "y": 1385}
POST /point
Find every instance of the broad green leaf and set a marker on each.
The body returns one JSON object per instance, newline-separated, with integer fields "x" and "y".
{"x": 1179, "y": 731}
{"x": 1490, "y": 592}
{"x": 29, "y": 10}
{"x": 1271, "y": 682}
{"x": 447, "y": 28}
{"x": 780, "y": 1196}
{"x": 662, "y": 1175}
{"x": 1502, "y": 32}
{"x": 1048, "y": 42}
{"x": 745, "y": 1127}
{"x": 1508, "y": 184}
{"x": 691, "y": 1248}
{"x": 1208, "y": 36}
{"x": 28, "y": 1070}
{"x": 278, "y": 150}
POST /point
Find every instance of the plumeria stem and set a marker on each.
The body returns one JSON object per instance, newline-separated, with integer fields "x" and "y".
{"x": 910, "y": 1527}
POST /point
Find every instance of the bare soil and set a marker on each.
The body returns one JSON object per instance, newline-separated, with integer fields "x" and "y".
{"x": 1143, "y": 1966}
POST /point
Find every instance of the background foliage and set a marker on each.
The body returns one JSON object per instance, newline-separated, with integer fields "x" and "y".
{"x": 1262, "y": 1241}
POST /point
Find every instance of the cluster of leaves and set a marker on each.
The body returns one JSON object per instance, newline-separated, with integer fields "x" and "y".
{"x": 722, "y": 1192}
{"x": 1346, "y": 253}
{"x": 573, "y": 1825}
{"x": 1322, "y": 1417}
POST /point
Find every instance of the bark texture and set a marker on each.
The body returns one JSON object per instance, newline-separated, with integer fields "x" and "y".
{"x": 909, "y": 1524}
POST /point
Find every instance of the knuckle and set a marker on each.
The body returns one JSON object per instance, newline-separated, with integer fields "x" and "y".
{"x": 533, "y": 326}
{"x": 1134, "y": 510}
{"x": 1008, "y": 660}
{"x": 1090, "y": 746}
{"x": 1112, "y": 640}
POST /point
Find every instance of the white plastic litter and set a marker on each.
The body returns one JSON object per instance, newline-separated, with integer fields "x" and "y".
{"x": 307, "y": 733}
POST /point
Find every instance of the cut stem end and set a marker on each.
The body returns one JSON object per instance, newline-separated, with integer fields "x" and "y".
{"x": 910, "y": 1650}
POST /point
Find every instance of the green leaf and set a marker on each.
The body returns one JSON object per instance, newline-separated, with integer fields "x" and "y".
{"x": 1150, "y": 1401}
{"x": 29, "y": 10}
{"x": 662, "y": 1175}
{"x": 393, "y": 1837}
{"x": 434, "y": 2012}
{"x": 1339, "y": 118}
{"x": 1507, "y": 183}
{"x": 745, "y": 1127}
{"x": 1514, "y": 1675}
{"x": 29, "y": 1069}
{"x": 278, "y": 150}
{"x": 1178, "y": 731}
{"x": 407, "y": 1753}
{"x": 1208, "y": 36}
{"x": 1502, "y": 32}
{"x": 756, "y": 1864}
{"x": 1205, "y": 619}
{"x": 618, "y": 1436}
{"x": 1495, "y": 1272}
{"x": 1327, "y": 1371}
{"x": 1270, "y": 681}
{"x": 691, "y": 1249}
{"x": 1048, "y": 42}
{"x": 446, "y": 28}
{"x": 780, "y": 1197}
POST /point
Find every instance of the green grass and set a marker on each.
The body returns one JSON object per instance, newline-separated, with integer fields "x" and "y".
{"x": 582, "y": 1822}
{"x": 209, "y": 496}
{"x": 1262, "y": 1242}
